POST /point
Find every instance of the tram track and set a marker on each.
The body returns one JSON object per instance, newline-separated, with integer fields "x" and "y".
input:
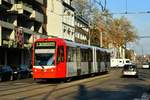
{"x": 18, "y": 85}
{"x": 23, "y": 90}
{"x": 74, "y": 89}
{"x": 89, "y": 86}
{"x": 30, "y": 90}
{"x": 15, "y": 87}
{"x": 58, "y": 90}
{"x": 34, "y": 90}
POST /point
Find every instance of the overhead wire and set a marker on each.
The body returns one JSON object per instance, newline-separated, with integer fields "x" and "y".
{"x": 127, "y": 12}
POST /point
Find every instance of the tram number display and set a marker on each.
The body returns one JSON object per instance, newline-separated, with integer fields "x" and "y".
{"x": 45, "y": 44}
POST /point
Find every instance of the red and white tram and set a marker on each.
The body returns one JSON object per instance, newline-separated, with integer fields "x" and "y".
{"x": 58, "y": 58}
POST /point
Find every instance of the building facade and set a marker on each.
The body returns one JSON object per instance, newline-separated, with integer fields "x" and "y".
{"x": 24, "y": 21}
{"x": 81, "y": 30}
{"x": 60, "y": 20}
{"x": 21, "y": 22}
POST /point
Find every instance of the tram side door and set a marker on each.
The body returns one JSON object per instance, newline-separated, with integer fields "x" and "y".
{"x": 78, "y": 59}
{"x": 90, "y": 58}
{"x": 60, "y": 60}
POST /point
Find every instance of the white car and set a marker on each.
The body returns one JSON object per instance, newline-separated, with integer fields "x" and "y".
{"x": 146, "y": 65}
{"x": 130, "y": 70}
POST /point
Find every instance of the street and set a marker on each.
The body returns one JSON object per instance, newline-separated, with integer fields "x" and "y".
{"x": 75, "y": 41}
{"x": 103, "y": 87}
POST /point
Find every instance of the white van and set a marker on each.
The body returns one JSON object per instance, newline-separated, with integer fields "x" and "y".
{"x": 119, "y": 62}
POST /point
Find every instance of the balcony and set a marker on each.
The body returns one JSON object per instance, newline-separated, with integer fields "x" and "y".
{"x": 26, "y": 30}
{"x": 37, "y": 16}
{"x": 40, "y": 1}
{"x": 7, "y": 25}
{"x": 6, "y": 4}
{"x": 21, "y": 8}
{"x": 8, "y": 1}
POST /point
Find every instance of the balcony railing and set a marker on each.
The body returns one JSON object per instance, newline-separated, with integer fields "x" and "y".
{"x": 37, "y": 16}
{"x": 7, "y": 25}
{"x": 21, "y": 7}
{"x": 40, "y": 1}
{"x": 8, "y": 1}
{"x": 26, "y": 30}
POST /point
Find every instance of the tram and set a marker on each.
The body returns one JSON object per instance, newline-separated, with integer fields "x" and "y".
{"x": 56, "y": 58}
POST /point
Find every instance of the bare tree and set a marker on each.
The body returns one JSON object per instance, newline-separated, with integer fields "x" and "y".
{"x": 116, "y": 31}
{"x": 103, "y": 6}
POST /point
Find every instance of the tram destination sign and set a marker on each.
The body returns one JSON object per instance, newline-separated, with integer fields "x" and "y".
{"x": 45, "y": 44}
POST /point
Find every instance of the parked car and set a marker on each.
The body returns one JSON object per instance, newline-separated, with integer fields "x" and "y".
{"x": 23, "y": 71}
{"x": 146, "y": 65}
{"x": 130, "y": 70}
{"x": 6, "y": 73}
{"x": 15, "y": 72}
{"x": 30, "y": 69}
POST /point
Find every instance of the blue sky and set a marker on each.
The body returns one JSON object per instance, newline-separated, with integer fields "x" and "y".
{"x": 140, "y": 21}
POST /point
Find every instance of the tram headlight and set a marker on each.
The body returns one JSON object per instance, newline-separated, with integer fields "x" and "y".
{"x": 52, "y": 70}
{"x": 45, "y": 70}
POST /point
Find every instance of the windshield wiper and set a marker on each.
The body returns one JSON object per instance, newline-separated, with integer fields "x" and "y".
{"x": 41, "y": 65}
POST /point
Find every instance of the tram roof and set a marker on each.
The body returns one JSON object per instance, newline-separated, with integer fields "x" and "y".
{"x": 73, "y": 44}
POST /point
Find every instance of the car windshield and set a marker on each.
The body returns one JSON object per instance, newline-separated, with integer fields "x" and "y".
{"x": 6, "y": 68}
{"x": 129, "y": 67}
{"x": 145, "y": 63}
{"x": 128, "y": 61}
{"x": 24, "y": 67}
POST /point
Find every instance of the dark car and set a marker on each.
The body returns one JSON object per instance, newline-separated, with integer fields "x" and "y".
{"x": 130, "y": 70}
{"x": 15, "y": 72}
{"x": 6, "y": 73}
{"x": 23, "y": 71}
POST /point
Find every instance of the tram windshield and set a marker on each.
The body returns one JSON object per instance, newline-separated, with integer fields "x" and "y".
{"x": 44, "y": 59}
{"x": 44, "y": 53}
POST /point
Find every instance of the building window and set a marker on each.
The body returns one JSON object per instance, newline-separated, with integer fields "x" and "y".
{"x": 64, "y": 30}
{"x": 68, "y": 31}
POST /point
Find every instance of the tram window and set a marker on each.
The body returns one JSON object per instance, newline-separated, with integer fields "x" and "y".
{"x": 83, "y": 55}
{"x": 60, "y": 54}
{"x": 108, "y": 57}
{"x": 90, "y": 55}
{"x": 98, "y": 53}
{"x": 70, "y": 54}
{"x": 86, "y": 56}
{"x": 102, "y": 56}
{"x": 105, "y": 56}
{"x": 82, "y": 58}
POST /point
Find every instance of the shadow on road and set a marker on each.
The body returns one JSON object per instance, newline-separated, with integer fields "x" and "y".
{"x": 128, "y": 92}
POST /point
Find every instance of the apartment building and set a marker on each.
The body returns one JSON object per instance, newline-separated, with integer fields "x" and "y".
{"x": 60, "y": 20}
{"x": 21, "y": 22}
{"x": 24, "y": 21}
{"x": 81, "y": 30}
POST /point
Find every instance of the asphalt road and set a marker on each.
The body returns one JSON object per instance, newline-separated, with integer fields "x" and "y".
{"x": 103, "y": 87}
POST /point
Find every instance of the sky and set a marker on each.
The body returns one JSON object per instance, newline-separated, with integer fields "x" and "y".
{"x": 141, "y": 22}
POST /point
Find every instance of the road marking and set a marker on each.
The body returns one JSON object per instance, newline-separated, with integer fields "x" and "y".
{"x": 20, "y": 83}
